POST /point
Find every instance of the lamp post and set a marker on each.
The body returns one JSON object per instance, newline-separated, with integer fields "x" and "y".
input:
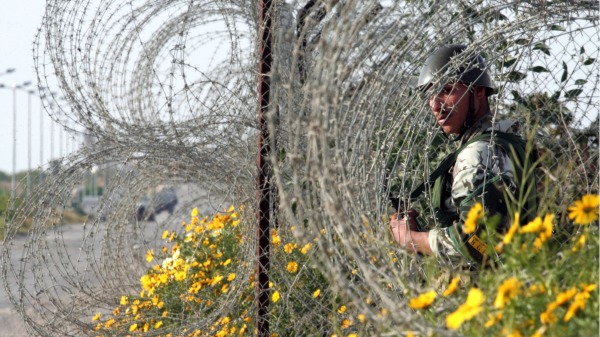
{"x": 30, "y": 92}
{"x": 13, "y": 194}
{"x": 7, "y": 71}
{"x": 41, "y": 141}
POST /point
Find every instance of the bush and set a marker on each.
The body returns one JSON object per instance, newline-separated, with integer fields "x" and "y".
{"x": 540, "y": 286}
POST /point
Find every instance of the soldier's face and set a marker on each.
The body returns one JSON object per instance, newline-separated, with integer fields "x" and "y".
{"x": 450, "y": 107}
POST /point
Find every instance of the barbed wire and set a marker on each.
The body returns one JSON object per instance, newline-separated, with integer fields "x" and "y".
{"x": 165, "y": 92}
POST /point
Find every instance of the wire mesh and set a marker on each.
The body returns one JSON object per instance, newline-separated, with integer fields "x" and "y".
{"x": 165, "y": 93}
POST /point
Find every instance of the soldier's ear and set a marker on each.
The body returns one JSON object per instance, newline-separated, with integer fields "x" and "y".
{"x": 480, "y": 92}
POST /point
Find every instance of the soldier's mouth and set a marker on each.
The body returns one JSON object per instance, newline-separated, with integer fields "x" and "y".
{"x": 441, "y": 119}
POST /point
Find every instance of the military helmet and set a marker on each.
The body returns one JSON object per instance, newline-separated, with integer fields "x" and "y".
{"x": 470, "y": 69}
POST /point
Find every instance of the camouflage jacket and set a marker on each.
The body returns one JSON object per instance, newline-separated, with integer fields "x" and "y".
{"x": 471, "y": 180}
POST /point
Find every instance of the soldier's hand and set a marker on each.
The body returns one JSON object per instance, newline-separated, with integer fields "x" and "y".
{"x": 411, "y": 219}
{"x": 401, "y": 227}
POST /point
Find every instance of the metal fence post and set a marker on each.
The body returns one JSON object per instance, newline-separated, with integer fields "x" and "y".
{"x": 264, "y": 170}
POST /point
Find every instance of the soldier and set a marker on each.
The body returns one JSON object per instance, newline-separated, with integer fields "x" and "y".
{"x": 481, "y": 170}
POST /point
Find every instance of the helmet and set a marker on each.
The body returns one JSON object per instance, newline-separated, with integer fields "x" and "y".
{"x": 470, "y": 69}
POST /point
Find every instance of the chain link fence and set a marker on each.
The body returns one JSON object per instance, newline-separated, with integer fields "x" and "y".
{"x": 166, "y": 94}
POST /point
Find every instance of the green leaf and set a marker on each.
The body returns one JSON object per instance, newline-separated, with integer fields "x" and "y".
{"x": 588, "y": 61}
{"x": 509, "y": 62}
{"x": 565, "y": 73}
{"x": 542, "y": 47}
{"x": 522, "y": 42}
{"x": 573, "y": 93}
{"x": 556, "y": 95}
{"x": 539, "y": 69}
{"x": 515, "y": 76}
{"x": 580, "y": 82}
{"x": 582, "y": 50}
{"x": 517, "y": 97}
{"x": 557, "y": 27}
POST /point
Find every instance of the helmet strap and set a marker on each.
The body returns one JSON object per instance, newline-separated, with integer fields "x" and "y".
{"x": 470, "y": 114}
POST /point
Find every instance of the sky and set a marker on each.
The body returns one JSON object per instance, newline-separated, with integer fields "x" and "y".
{"x": 19, "y": 21}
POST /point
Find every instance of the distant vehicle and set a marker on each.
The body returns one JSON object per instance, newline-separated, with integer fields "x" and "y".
{"x": 150, "y": 206}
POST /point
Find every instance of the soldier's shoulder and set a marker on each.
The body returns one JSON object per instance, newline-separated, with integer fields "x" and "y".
{"x": 508, "y": 126}
{"x": 474, "y": 152}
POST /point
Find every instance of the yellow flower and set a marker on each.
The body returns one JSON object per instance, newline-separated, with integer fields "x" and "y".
{"x": 466, "y": 311}
{"x": 475, "y": 213}
{"x": 534, "y": 226}
{"x": 589, "y": 287}
{"x": 110, "y": 323}
{"x": 548, "y": 225}
{"x": 96, "y": 317}
{"x": 452, "y": 287}
{"x": 216, "y": 279}
{"x": 346, "y": 323}
{"x": 537, "y": 289}
{"x": 422, "y": 301}
{"x": 585, "y": 211}
{"x": 515, "y": 333}
{"x": 288, "y": 248}
{"x": 562, "y": 298}
{"x": 362, "y": 318}
{"x": 276, "y": 239}
{"x": 493, "y": 319}
{"x": 578, "y": 304}
{"x": 342, "y": 309}
{"x": 195, "y": 212}
{"x": 547, "y": 317}
{"x": 231, "y": 277}
{"x": 165, "y": 234}
{"x": 579, "y": 244}
{"x": 306, "y": 248}
{"x": 133, "y": 327}
{"x": 150, "y": 255}
{"x": 507, "y": 290}
{"x": 539, "y": 332}
{"x": 123, "y": 300}
{"x": 352, "y": 335}
{"x": 579, "y": 301}
{"x": 158, "y": 325}
{"x": 292, "y": 267}
{"x": 410, "y": 334}
{"x": 275, "y": 296}
{"x": 510, "y": 233}
{"x": 317, "y": 293}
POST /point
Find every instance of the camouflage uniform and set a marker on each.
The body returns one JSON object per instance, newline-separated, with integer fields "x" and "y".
{"x": 481, "y": 173}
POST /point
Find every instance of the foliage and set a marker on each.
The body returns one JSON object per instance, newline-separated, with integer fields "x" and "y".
{"x": 538, "y": 287}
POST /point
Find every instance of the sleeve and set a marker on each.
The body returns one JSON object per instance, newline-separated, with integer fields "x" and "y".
{"x": 477, "y": 176}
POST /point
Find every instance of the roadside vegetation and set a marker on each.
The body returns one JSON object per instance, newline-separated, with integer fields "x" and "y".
{"x": 545, "y": 284}
{"x": 7, "y": 207}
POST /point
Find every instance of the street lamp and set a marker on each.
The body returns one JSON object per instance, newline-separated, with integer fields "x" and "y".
{"x": 13, "y": 194}
{"x": 8, "y": 71}
{"x": 30, "y": 92}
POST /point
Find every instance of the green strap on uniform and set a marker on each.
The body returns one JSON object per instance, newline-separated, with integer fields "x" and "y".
{"x": 506, "y": 141}
{"x": 449, "y": 161}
